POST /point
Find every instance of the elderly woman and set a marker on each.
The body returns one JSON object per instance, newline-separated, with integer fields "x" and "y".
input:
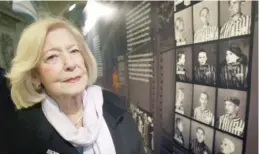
{"x": 59, "y": 108}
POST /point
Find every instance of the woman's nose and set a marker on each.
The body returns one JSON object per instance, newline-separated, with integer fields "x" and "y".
{"x": 69, "y": 63}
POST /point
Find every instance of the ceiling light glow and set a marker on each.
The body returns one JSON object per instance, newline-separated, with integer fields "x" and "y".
{"x": 72, "y": 7}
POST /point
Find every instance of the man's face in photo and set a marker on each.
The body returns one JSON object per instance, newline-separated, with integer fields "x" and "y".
{"x": 179, "y": 24}
{"x": 234, "y": 7}
{"x": 182, "y": 59}
{"x": 180, "y": 95}
{"x": 204, "y": 16}
{"x": 203, "y": 100}
{"x": 225, "y": 147}
{"x": 230, "y": 107}
{"x": 180, "y": 126}
{"x": 202, "y": 58}
{"x": 200, "y": 135}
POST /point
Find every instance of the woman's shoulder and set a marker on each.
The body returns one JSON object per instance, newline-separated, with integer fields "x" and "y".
{"x": 31, "y": 118}
{"x": 28, "y": 130}
{"x": 31, "y": 114}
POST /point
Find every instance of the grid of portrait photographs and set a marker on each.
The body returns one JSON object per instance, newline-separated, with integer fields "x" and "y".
{"x": 145, "y": 123}
{"x": 212, "y": 75}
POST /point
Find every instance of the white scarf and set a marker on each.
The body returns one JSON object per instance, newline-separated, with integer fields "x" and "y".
{"x": 94, "y": 133}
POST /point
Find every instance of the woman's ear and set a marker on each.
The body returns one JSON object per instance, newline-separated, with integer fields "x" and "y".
{"x": 36, "y": 82}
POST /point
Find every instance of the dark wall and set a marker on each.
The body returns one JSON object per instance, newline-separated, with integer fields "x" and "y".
{"x": 252, "y": 132}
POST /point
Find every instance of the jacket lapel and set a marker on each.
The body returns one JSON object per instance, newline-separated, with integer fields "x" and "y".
{"x": 54, "y": 142}
{"x": 117, "y": 137}
{"x": 113, "y": 116}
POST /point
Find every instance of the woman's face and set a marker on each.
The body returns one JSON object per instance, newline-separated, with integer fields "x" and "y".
{"x": 231, "y": 57}
{"x": 62, "y": 68}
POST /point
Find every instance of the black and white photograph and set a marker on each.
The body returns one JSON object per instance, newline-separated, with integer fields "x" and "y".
{"x": 205, "y": 21}
{"x": 235, "y": 18}
{"x": 148, "y": 133}
{"x": 144, "y": 121}
{"x": 226, "y": 144}
{"x": 183, "y": 102}
{"x": 183, "y": 4}
{"x": 182, "y": 130}
{"x": 205, "y": 60}
{"x": 184, "y": 64}
{"x": 183, "y": 28}
{"x": 231, "y": 111}
{"x": 201, "y": 139}
{"x": 233, "y": 63}
{"x": 165, "y": 25}
{"x": 204, "y": 104}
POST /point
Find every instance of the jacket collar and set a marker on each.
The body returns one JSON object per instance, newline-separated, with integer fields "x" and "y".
{"x": 114, "y": 107}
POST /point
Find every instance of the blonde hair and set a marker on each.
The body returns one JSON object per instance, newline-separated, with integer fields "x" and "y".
{"x": 29, "y": 51}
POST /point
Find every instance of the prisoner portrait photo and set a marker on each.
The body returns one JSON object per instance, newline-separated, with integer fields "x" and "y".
{"x": 204, "y": 64}
{"x": 231, "y": 111}
{"x": 184, "y": 64}
{"x": 235, "y": 18}
{"x": 233, "y": 65}
{"x": 204, "y": 104}
{"x": 183, "y": 98}
{"x": 205, "y": 21}
{"x": 227, "y": 144}
{"x": 201, "y": 138}
{"x": 182, "y": 130}
{"x": 183, "y": 28}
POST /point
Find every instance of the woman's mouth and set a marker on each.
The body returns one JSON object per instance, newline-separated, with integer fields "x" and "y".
{"x": 73, "y": 80}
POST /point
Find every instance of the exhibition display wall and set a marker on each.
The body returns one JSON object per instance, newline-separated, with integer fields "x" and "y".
{"x": 185, "y": 69}
{"x": 213, "y": 67}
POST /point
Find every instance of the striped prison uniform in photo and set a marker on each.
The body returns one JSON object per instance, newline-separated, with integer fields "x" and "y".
{"x": 232, "y": 125}
{"x": 181, "y": 73}
{"x": 206, "y": 34}
{"x": 199, "y": 148}
{"x": 240, "y": 26}
{"x": 178, "y": 136}
{"x": 205, "y": 74}
{"x": 180, "y": 39}
{"x": 234, "y": 75}
{"x": 205, "y": 116}
{"x": 138, "y": 22}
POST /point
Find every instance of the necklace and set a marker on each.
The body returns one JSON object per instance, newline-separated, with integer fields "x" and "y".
{"x": 79, "y": 119}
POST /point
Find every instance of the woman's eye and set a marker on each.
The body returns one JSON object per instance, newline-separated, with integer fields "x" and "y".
{"x": 52, "y": 58}
{"x": 75, "y": 51}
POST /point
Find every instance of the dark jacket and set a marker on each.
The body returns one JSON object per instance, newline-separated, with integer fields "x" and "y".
{"x": 6, "y": 104}
{"x": 30, "y": 131}
{"x": 6, "y": 108}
